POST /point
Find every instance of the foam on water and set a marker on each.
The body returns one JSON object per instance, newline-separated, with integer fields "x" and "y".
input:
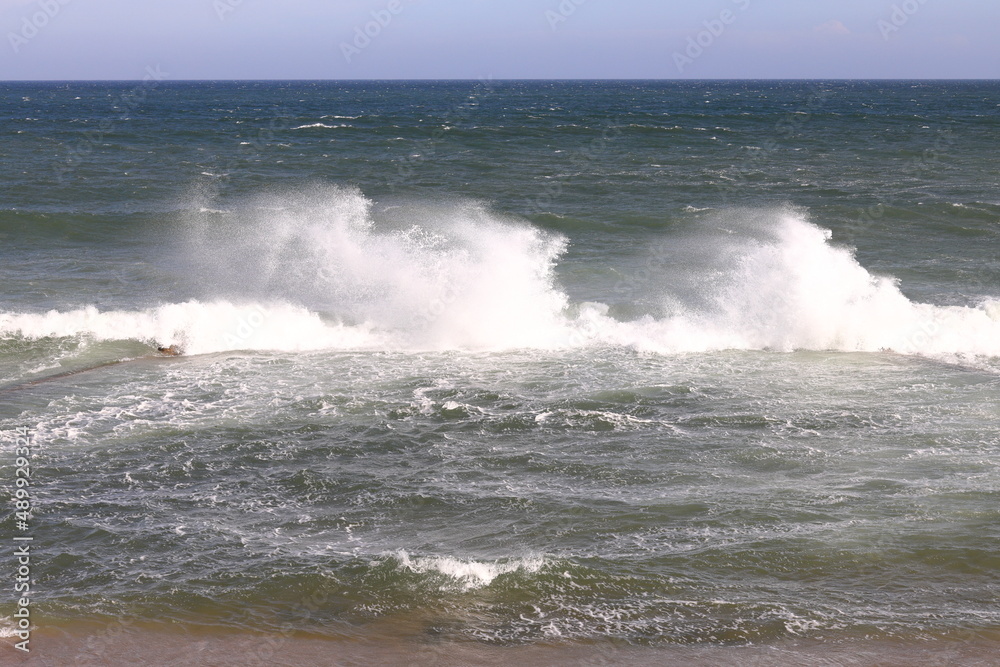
{"x": 320, "y": 125}
{"x": 784, "y": 286}
{"x": 8, "y": 627}
{"x": 320, "y": 270}
{"x": 197, "y": 327}
{"x": 468, "y": 575}
{"x": 446, "y": 277}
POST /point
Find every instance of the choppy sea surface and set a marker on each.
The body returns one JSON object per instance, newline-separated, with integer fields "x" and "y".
{"x": 507, "y": 362}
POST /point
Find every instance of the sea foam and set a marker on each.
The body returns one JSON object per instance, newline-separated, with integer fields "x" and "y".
{"x": 466, "y": 574}
{"x": 315, "y": 270}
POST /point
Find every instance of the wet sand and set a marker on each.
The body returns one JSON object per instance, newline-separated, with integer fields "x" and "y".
{"x": 96, "y": 645}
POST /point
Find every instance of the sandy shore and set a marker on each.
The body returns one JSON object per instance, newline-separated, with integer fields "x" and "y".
{"x": 117, "y": 644}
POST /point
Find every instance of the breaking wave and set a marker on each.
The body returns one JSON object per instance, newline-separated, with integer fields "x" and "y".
{"x": 321, "y": 270}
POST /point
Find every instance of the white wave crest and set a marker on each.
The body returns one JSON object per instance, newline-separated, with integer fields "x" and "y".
{"x": 467, "y": 574}
{"x": 319, "y": 270}
{"x": 320, "y": 125}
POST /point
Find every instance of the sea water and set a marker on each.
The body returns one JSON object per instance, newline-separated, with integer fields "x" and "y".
{"x": 507, "y": 362}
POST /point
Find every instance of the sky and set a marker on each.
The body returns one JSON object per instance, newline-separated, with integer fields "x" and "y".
{"x": 499, "y": 39}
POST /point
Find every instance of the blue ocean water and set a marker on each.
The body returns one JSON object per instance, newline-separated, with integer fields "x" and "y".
{"x": 509, "y": 362}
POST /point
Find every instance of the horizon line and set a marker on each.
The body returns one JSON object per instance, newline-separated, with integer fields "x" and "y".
{"x": 481, "y": 79}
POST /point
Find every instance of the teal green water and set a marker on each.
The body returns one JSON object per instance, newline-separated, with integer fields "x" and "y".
{"x": 661, "y": 363}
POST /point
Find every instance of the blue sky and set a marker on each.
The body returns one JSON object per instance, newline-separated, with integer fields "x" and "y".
{"x": 502, "y": 39}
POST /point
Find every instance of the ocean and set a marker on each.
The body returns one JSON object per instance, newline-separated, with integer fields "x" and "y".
{"x": 503, "y": 364}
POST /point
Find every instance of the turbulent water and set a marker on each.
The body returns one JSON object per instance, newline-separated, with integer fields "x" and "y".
{"x": 662, "y": 363}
